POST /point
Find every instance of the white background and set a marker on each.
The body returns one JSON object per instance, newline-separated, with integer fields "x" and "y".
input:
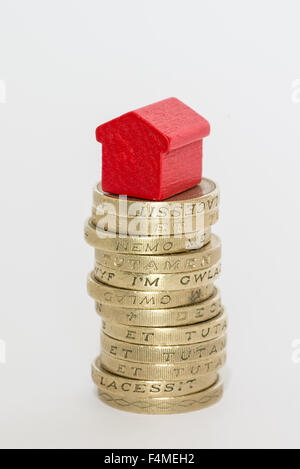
{"x": 69, "y": 66}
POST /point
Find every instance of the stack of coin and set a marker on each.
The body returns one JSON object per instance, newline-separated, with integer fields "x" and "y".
{"x": 163, "y": 336}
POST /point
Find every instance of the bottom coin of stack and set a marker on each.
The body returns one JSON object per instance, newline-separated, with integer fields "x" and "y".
{"x": 137, "y": 395}
{"x": 157, "y": 378}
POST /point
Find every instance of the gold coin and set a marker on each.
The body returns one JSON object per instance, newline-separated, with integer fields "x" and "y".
{"x": 128, "y": 387}
{"x": 157, "y": 282}
{"x": 115, "y": 242}
{"x": 165, "y": 405}
{"x": 179, "y": 335}
{"x": 166, "y": 226}
{"x": 200, "y": 198}
{"x": 144, "y": 299}
{"x": 179, "y": 316}
{"x": 166, "y": 264}
{"x": 162, "y": 354}
{"x": 160, "y": 371}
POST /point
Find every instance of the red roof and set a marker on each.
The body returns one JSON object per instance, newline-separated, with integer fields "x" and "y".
{"x": 177, "y": 123}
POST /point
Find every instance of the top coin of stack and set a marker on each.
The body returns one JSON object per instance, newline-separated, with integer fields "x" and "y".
{"x": 164, "y": 327}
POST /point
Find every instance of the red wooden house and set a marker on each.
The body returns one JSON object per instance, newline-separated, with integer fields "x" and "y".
{"x": 153, "y": 152}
